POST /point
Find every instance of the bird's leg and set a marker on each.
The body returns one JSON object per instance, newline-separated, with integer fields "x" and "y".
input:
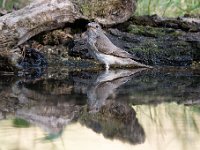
{"x": 24, "y": 52}
{"x": 107, "y": 67}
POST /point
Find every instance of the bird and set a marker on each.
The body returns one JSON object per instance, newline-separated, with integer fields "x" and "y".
{"x": 103, "y": 50}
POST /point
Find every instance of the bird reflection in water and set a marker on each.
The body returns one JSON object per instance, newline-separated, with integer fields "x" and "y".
{"x": 105, "y": 85}
{"x": 115, "y": 120}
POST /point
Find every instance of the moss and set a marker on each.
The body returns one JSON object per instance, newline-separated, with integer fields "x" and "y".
{"x": 14, "y": 3}
{"x": 152, "y": 31}
{"x": 98, "y": 8}
{"x": 149, "y": 47}
{"x": 85, "y": 8}
{"x": 177, "y": 33}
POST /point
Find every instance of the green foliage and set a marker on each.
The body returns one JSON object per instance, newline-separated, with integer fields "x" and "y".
{"x": 20, "y": 123}
{"x": 10, "y": 3}
{"x": 169, "y": 8}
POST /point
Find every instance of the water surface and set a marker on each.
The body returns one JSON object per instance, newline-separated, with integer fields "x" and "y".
{"x": 117, "y": 109}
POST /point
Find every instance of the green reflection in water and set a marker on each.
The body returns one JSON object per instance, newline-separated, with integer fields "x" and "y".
{"x": 196, "y": 109}
{"x": 20, "y": 123}
{"x": 8, "y": 4}
{"x": 51, "y": 137}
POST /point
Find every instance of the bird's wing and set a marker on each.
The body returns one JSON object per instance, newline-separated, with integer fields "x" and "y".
{"x": 110, "y": 49}
{"x": 121, "y": 53}
{"x": 104, "y": 45}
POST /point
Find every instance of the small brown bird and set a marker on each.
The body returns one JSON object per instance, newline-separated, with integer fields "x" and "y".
{"x": 102, "y": 49}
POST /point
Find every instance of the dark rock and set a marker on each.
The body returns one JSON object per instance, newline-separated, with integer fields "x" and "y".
{"x": 32, "y": 59}
{"x": 80, "y": 49}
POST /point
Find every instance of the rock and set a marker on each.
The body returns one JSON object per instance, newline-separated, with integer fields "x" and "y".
{"x": 106, "y": 12}
{"x": 32, "y": 59}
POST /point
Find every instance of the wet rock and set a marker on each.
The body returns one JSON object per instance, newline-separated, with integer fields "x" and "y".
{"x": 32, "y": 59}
{"x": 80, "y": 49}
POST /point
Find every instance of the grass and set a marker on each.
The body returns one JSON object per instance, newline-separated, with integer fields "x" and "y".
{"x": 10, "y": 3}
{"x": 168, "y": 8}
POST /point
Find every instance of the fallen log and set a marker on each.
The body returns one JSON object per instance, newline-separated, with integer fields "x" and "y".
{"x": 19, "y": 26}
{"x": 44, "y": 15}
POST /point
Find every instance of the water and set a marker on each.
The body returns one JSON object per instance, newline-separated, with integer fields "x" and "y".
{"x": 117, "y": 109}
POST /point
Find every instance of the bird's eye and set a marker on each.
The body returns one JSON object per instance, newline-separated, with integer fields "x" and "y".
{"x": 97, "y": 26}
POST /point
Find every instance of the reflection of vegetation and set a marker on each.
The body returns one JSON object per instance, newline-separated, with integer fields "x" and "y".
{"x": 51, "y": 136}
{"x": 195, "y": 109}
{"x": 20, "y": 123}
{"x": 179, "y": 119}
{"x": 168, "y": 8}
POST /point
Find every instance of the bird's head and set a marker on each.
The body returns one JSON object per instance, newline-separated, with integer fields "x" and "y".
{"x": 95, "y": 26}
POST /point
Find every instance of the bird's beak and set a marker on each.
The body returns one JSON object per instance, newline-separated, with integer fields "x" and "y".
{"x": 15, "y": 50}
{"x": 88, "y": 26}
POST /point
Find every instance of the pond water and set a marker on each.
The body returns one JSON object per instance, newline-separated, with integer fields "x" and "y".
{"x": 138, "y": 109}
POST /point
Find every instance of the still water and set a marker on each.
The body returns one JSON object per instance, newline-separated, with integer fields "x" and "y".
{"x": 137, "y": 109}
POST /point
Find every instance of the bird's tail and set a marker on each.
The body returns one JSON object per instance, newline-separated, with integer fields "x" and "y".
{"x": 137, "y": 64}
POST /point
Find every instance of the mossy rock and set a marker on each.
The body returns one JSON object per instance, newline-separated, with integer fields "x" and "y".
{"x": 152, "y": 31}
{"x": 107, "y": 11}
